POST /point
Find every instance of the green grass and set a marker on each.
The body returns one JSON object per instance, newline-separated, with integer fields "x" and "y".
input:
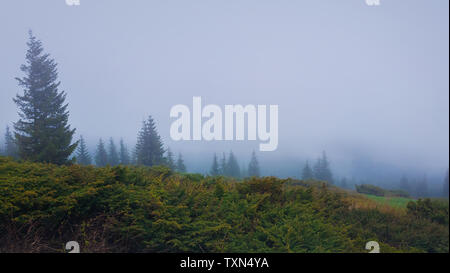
{"x": 396, "y": 202}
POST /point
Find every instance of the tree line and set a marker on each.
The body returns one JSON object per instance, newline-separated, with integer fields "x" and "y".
{"x": 43, "y": 134}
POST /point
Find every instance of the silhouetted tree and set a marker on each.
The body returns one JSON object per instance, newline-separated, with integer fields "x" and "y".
{"x": 223, "y": 164}
{"x": 123, "y": 154}
{"x": 232, "y": 167}
{"x": 215, "y": 170}
{"x": 149, "y": 147}
{"x": 10, "y": 144}
{"x": 101, "y": 156}
{"x": 170, "y": 160}
{"x": 113, "y": 156}
{"x": 253, "y": 166}
{"x": 322, "y": 169}
{"x": 42, "y": 133}
{"x": 180, "y": 164}
{"x": 307, "y": 172}
{"x": 83, "y": 157}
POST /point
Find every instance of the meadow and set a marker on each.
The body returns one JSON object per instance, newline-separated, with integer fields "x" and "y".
{"x": 153, "y": 209}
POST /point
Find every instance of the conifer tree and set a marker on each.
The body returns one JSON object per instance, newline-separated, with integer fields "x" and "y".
{"x": 83, "y": 157}
{"x": 253, "y": 166}
{"x": 113, "y": 156}
{"x": 446, "y": 185}
{"x": 170, "y": 160}
{"x": 322, "y": 169}
{"x": 149, "y": 147}
{"x": 42, "y": 133}
{"x": 307, "y": 172}
{"x": 180, "y": 164}
{"x": 101, "y": 156}
{"x": 215, "y": 169}
{"x": 232, "y": 167}
{"x": 10, "y": 144}
{"x": 123, "y": 154}
{"x": 223, "y": 164}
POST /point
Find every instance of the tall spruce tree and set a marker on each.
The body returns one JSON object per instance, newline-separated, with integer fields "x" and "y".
{"x": 113, "y": 156}
{"x": 149, "y": 147}
{"x": 101, "y": 156}
{"x": 215, "y": 169}
{"x": 123, "y": 154}
{"x": 180, "y": 164}
{"x": 170, "y": 160}
{"x": 10, "y": 144}
{"x": 42, "y": 132}
{"x": 446, "y": 185}
{"x": 253, "y": 166}
{"x": 322, "y": 169}
{"x": 307, "y": 172}
{"x": 232, "y": 167}
{"x": 83, "y": 157}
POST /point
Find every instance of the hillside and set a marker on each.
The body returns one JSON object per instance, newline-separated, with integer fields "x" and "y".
{"x": 139, "y": 209}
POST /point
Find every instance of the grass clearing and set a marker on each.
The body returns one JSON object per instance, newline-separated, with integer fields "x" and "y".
{"x": 396, "y": 202}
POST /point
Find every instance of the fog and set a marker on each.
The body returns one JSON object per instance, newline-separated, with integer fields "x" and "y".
{"x": 367, "y": 84}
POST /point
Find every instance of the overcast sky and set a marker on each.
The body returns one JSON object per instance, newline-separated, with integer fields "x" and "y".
{"x": 349, "y": 78}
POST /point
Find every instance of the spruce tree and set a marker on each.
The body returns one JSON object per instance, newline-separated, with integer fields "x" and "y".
{"x": 223, "y": 164}
{"x": 170, "y": 160}
{"x": 253, "y": 166}
{"x": 123, "y": 154}
{"x": 446, "y": 185}
{"x": 215, "y": 170}
{"x": 232, "y": 167}
{"x": 113, "y": 156}
{"x": 149, "y": 147}
{"x": 322, "y": 169}
{"x": 101, "y": 156}
{"x": 307, "y": 172}
{"x": 10, "y": 144}
{"x": 83, "y": 157}
{"x": 42, "y": 132}
{"x": 180, "y": 164}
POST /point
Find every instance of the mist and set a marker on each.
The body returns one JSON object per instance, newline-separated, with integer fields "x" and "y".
{"x": 368, "y": 85}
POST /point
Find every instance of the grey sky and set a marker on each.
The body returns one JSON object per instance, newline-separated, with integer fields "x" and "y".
{"x": 352, "y": 79}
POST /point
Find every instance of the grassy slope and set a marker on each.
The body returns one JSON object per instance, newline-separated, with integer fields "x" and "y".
{"x": 139, "y": 209}
{"x": 396, "y": 202}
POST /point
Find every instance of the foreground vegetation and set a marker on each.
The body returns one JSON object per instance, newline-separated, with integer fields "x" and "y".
{"x": 140, "y": 209}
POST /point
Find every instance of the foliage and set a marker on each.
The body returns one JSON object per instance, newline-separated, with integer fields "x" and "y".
{"x": 153, "y": 209}
{"x": 83, "y": 157}
{"x": 253, "y": 166}
{"x": 42, "y": 133}
{"x": 149, "y": 146}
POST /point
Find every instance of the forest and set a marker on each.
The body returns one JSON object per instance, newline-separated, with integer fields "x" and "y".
{"x": 53, "y": 191}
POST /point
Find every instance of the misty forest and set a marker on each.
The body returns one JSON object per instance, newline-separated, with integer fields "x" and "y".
{"x": 57, "y": 186}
